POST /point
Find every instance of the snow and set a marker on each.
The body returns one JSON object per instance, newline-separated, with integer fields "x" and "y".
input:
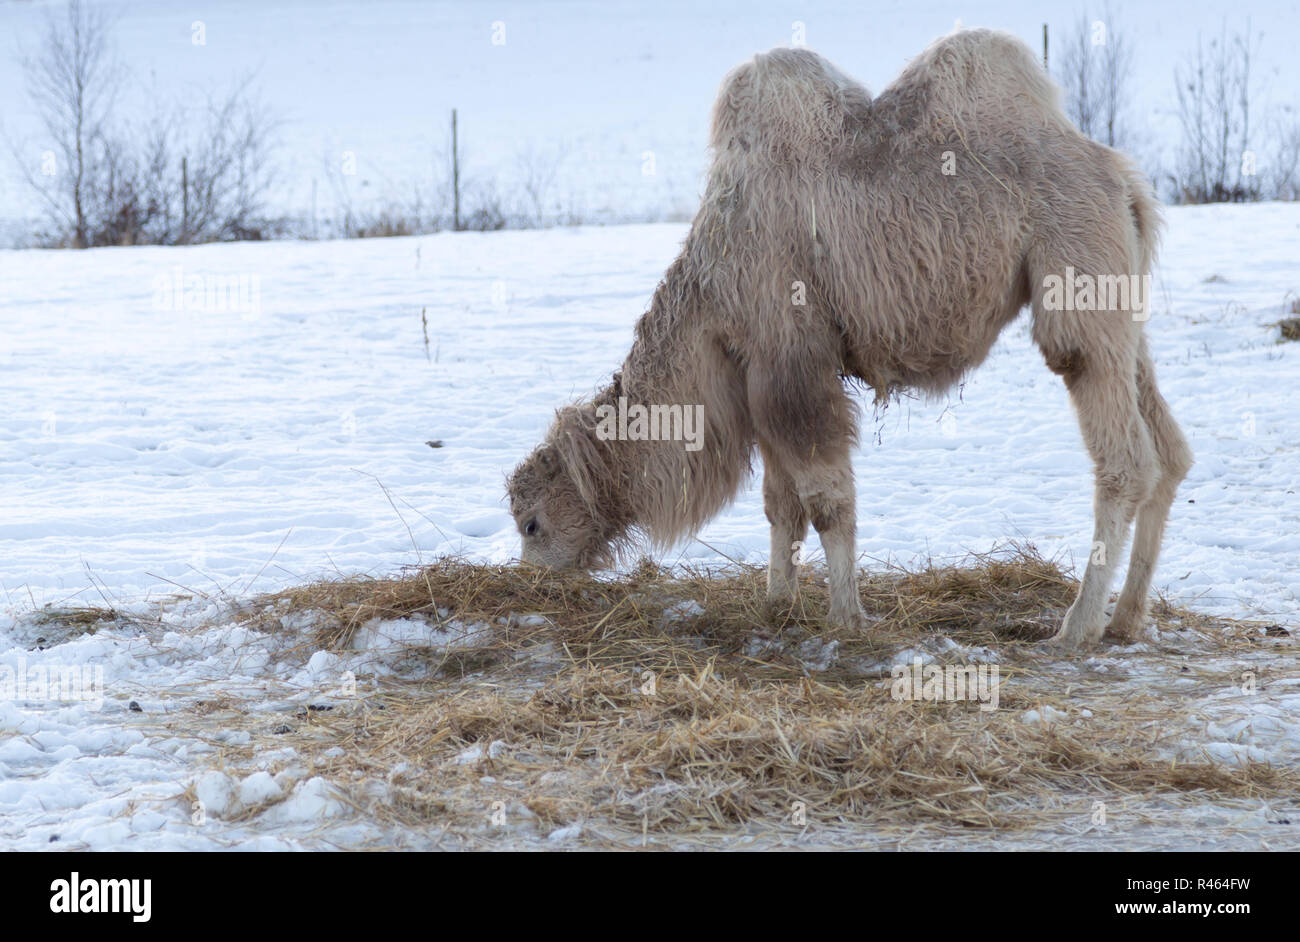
{"x": 215, "y": 792}
{"x": 170, "y": 463}
{"x": 311, "y": 802}
{"x": 565, "y": 834}
{"x": 395, "y": 634}
{"x": 477, "y": 753}
{"x": 1046, "y": 716}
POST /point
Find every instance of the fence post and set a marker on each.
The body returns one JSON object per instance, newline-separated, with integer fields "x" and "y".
{"x": 1045, "y": 47}
{"x": 455, "y": 174}
{"x": 185, "y": 200}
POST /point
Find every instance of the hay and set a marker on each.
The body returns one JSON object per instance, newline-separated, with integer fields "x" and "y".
{"x": 629, "y": 714}
{"x": 55, "y": 624}
{"x": 1012, "y": 596}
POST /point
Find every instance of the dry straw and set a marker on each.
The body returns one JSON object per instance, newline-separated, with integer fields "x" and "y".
{"x": 675, "y": 705}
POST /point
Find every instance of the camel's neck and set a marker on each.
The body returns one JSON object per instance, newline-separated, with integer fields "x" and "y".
{"x": 677, "y": 449}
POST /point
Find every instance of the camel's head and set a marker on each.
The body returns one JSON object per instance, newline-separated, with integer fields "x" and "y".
{"x": 560, "y": 526}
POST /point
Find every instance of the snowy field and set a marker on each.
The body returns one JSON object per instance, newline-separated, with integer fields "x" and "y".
{"x": 185, "y": 428}
{"x": 153, "y": 448}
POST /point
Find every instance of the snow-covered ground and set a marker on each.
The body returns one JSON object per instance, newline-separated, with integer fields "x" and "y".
{"x": 152, "y": 446}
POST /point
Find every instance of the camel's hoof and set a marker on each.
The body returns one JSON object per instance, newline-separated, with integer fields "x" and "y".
{"x": 782, "y": 599}
{"x": 850, "y": 621}
{"x": 1067, "y": 643}
{"x": 1122, "y": 634}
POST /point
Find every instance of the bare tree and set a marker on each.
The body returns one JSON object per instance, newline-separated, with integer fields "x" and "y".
{"x": 1096, "y": 66}
{"x": 1076, "y": 77}
{"x": 1213, "y": 88}
{"x": 1116, "y": 68}
{"x": 73, "y": 79}
{"x": 175, "y": 176}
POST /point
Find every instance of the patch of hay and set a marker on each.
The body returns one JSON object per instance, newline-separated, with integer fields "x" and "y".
{"x": 673, "y": 705}
{"x": 705, "y": 752}
{"x": 1002, "y": 597}
{"x": 55, "y": 624}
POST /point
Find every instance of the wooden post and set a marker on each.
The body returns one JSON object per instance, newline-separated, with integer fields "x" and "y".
{"x": 455, "y": 174}
{"x": 1045, "y": 47}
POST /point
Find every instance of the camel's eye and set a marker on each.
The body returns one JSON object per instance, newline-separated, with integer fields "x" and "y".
{"x": 530, "y": 528}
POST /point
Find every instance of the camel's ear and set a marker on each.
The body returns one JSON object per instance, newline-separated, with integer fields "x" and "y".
{"x": 578, "y": 456}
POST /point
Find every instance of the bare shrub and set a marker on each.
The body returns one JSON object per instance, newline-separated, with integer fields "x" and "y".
{"x": 175, "y": 176}
{"x": 1282, "y": 176}
{"x": 366, "y": 210}
{"x": 1213, "y": 86}
{"x": 536, "y": 171}
{"x": 229, "y": 170}
{"x": 482, "y": 208}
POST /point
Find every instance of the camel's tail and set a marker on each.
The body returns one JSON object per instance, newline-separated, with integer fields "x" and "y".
{"x": 1146, "y": 215}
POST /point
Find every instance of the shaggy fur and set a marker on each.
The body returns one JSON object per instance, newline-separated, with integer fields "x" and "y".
{"x": 820, "y": 194}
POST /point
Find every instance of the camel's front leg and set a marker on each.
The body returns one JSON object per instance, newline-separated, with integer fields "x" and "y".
{"x": 828, "y": 494}
{"x": 806, "y": 427}
{"x": 817, "y": 488}
{"x": 789, "y": 521}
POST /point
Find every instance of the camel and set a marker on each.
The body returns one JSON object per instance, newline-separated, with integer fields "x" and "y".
{"x": 883, "y": 240}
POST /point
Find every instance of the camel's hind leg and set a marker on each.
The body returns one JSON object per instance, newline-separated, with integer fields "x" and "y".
{"x": 1175, "y": 460}
{"x": 1096, "y": 352}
